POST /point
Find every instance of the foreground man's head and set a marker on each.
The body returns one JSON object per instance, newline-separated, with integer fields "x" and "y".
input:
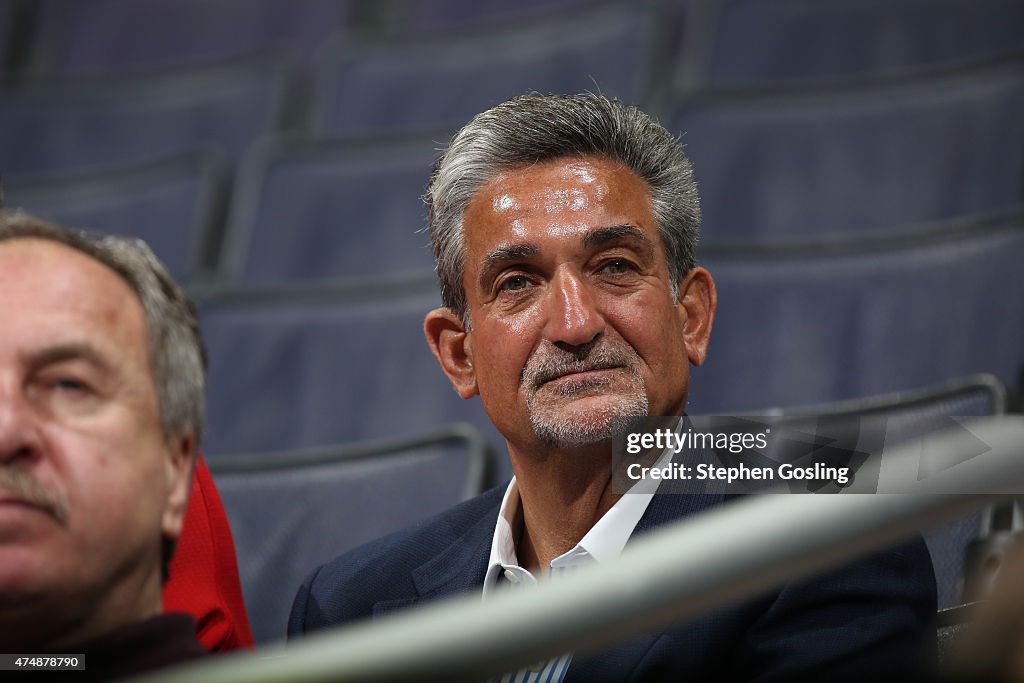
{"x": 564, "y": 231}
{"x": 101, "y": 380}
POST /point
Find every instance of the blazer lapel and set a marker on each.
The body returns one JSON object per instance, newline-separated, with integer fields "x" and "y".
{"x": 666, "y": 508}
{"x": 459, "y": 568}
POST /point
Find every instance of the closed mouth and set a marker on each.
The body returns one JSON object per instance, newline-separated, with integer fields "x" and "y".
{"x": 9, "y": 500}
{"x": 577, "y": 371}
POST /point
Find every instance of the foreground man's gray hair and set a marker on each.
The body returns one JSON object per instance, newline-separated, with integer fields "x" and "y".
{"x": 176, "y": 354}
{"x": 536, "y": 128}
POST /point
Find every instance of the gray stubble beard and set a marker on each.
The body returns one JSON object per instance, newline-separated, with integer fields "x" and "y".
{"x": 564, "y": 429}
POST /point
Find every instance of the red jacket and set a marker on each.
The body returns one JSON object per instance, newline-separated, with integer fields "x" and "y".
{"x": 204, "y": 571}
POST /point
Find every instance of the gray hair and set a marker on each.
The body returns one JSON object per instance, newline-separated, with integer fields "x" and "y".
{"x": 176, "y": 355}
{"x": 535, "y": 128}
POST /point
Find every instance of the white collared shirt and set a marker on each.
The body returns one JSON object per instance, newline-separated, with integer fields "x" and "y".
{"x": 602, "y": 543}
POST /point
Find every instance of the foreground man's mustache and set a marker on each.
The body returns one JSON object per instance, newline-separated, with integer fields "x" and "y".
{"x": 16, "y": 484}
{"x": 550, "y": 362}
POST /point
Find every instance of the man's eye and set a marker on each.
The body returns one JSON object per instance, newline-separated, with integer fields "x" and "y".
{"x": 617, "y": 267}
{"x": 514, "y": 284}
{"x": 69, "y": 384}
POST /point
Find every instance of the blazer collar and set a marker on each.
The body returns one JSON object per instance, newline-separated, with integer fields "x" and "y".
{"x": 666, "y": 507}
{"x": 461, "y": 566}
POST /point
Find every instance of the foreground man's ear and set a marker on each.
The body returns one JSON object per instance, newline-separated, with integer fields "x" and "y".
{"x": 451, "y": 346}
{"x": 698, "y": 299}
{"x": 179, "y": 481}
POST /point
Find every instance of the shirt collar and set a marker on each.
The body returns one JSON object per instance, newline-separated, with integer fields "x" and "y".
{"x": 602, "y": 543}
{"x": 506, "y": 532}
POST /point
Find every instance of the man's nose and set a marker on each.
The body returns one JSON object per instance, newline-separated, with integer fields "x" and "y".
{"x": 573, "y": 316}
{"x": 19, "y": 435}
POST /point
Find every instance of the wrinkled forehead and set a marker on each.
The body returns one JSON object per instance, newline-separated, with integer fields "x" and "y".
{"x": 59, "y": 290}
{"x": 37, "y": 250}
{"x": 566, "y": 197}
{"x": 561, "y": 185}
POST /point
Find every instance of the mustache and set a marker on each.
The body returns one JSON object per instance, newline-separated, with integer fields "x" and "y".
{"x": 550, "y": 362}
{"x": 18, "y": 483}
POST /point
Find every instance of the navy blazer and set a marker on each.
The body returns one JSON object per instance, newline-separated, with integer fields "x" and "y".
{"x": 872, "y": 618}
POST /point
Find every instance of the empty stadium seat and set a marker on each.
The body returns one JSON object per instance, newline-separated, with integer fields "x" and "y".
{"x": 814, "y": 324}
{"x": 780, "y": 166}
{"x": 95, "y": 124}
{"x": 8, "y": 9}
{"x": 756, "y": 42}
{"x": 172, "y": 205}
{"x": 417, "y": 16}
{"x": 317, "y": 368}
{"x": 439, "y": 83}
{"x": 913, "y": 414}
{"x": 293, "y": 511}
{"x": 79, "y": 37}
{"x": 305, "y": 212}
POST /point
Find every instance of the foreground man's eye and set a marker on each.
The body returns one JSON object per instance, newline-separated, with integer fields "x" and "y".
{"x": 617, "y": 267}
{"x": 514, "y": 284}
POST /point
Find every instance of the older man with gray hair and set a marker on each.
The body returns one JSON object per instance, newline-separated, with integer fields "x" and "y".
{"x": 564, "y": 231}
{"x": 101, "y": 412}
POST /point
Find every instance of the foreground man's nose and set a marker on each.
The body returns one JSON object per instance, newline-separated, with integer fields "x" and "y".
{"x": 573, "y": 318}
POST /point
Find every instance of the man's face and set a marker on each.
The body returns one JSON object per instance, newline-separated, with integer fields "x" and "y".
{"x": 573, "y": 319}
{"x": 88, "y": 482}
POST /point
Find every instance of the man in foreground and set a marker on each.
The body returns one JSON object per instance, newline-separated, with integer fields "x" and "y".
{"x": 564, "y": 231}
{"x": 101, "y": 405}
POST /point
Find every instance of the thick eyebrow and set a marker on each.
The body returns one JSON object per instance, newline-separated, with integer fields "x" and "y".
{"x": 497, "y": 259}
{"x": 70, "y": 352}
{"x": 599, "y": 237}
{"x": 618, "y": 233}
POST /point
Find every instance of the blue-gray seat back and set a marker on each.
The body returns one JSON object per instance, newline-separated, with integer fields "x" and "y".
{"x": 815, "y": 324}
{"x": 95, "y": 124}
{"x": 775, "y": 41}
{"x": 416, "y": 16}
{"x": 8, "y": 12}
{"x": 307, "y": 212}
{"x": 292, "y": 511}
{"x": 308, "y": 371}
{"x": 171, "y": 205}
{"x": 78, "y": 37}
{"x": 779, "y": 166}
{"x": 439, "y": 83}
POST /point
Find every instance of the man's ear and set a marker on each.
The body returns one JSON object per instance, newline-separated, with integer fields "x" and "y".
{"x": 698, "y": 299}
{"x": 179, "y": 480}
{"x": 452, "y": 347}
